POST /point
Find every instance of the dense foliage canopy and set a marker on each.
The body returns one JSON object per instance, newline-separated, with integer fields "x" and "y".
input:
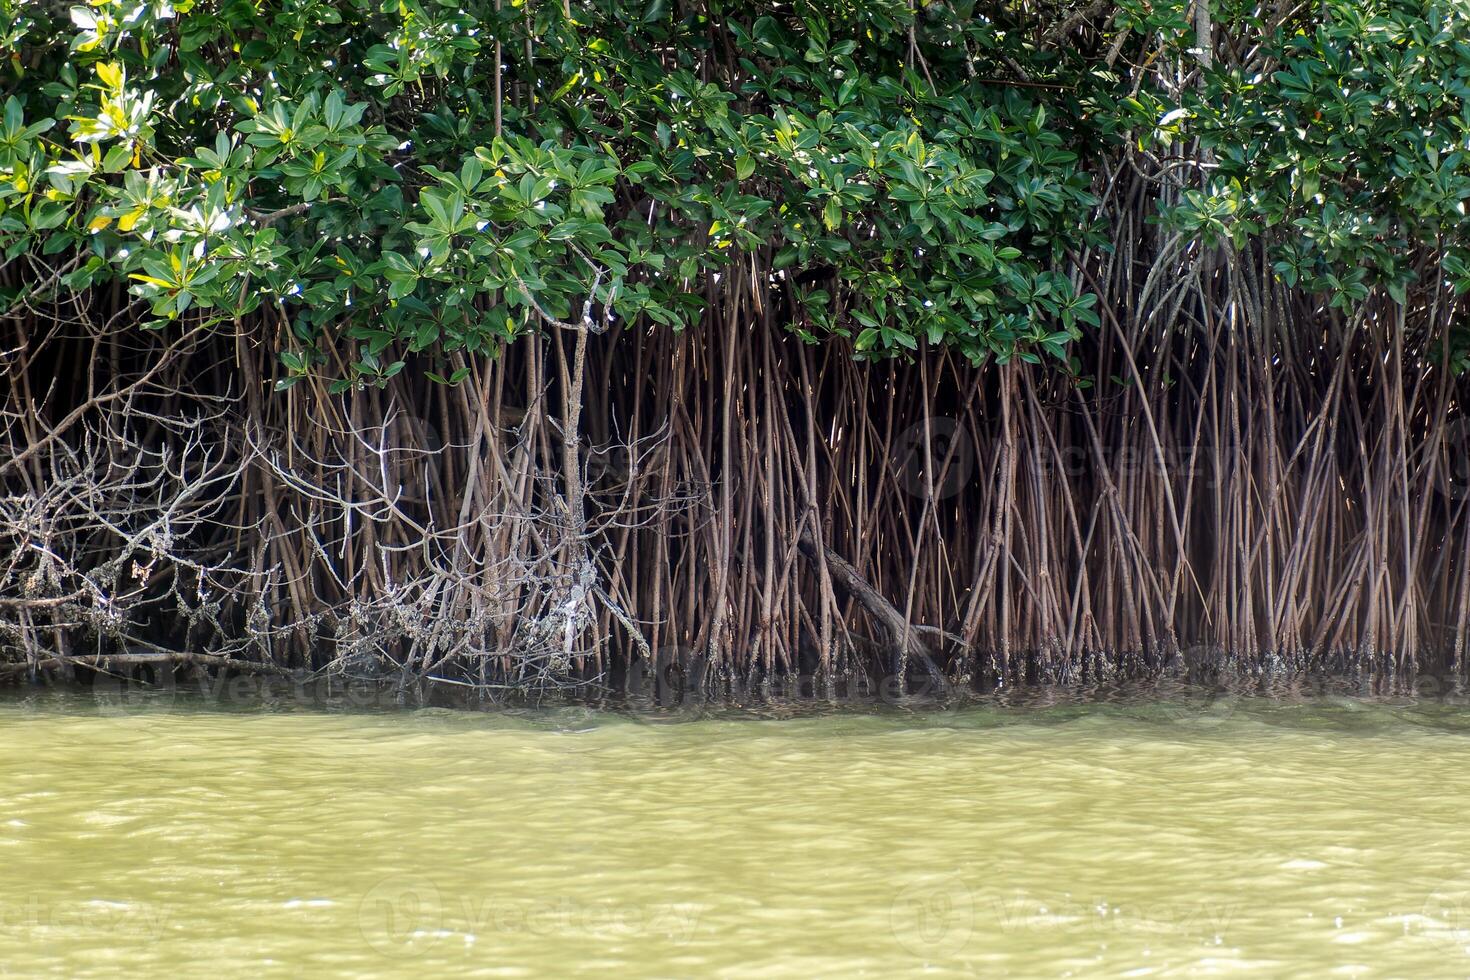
{"x": 422, "y": 176}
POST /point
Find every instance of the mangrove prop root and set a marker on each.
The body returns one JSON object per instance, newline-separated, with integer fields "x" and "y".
{"x": 1233, "y": 469}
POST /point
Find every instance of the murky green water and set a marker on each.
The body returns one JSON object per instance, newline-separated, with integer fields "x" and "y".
{"x": 1210, "y": 836}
